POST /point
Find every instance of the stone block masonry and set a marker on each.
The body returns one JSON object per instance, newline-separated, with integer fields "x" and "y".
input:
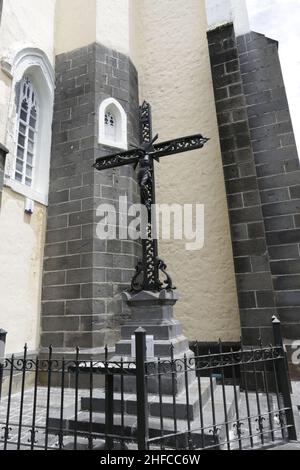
{"x": 277, "y": 168}
{"x": 84, "y": 276}
{"x": 262, "y": 174}
{"x": 252, "y": 267}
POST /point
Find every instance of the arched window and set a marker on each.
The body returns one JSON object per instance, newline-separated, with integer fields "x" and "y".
{"x": 27, "y": 126}
{"x": 112, "y": 124}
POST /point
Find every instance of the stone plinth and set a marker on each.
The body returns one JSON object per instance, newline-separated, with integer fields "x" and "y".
{"x": 154, "y": 312}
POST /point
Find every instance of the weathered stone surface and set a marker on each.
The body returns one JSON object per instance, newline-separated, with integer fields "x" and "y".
{"x": 83, "y": 276}
{"x": 153, "y": 311}
{"x": 263, "y": 196}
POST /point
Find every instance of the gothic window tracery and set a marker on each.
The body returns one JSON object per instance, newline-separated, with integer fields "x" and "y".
{"x": 27, "y": 124}
{"x": 110, "y": 125}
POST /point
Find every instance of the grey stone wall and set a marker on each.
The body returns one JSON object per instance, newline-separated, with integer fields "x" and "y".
{"x": 261, "y": 169}
{"x": 83, "y": 276}
{"x": 277, "y": 168}
{"x": 252, "y": 268}
{"x": 3, "y": 153}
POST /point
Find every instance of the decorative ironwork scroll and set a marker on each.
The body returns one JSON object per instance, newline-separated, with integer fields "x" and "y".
{"x": 147, "y": 277}
{"x": 172, "y": 147}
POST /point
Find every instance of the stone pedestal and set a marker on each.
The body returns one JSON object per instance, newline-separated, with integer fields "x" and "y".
{"x": 153, "y": 311}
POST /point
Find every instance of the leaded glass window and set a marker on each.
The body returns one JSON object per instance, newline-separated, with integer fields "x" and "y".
{"x": 27, "y": 133}
{"x": 110, "y": 126}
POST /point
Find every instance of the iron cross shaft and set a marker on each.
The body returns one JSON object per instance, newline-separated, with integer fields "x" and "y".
{"x": 147, "y": 276}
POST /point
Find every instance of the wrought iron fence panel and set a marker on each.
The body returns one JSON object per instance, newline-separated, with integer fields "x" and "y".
{"x": 249, "y": 410}
{"x": 48, "y": 403}
{"x": 224, "y": 400}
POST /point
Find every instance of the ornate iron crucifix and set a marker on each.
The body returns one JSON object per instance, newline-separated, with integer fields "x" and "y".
{"x": 147, "y": 276}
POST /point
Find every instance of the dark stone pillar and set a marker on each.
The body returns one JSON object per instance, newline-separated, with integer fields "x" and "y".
{"x": 262, "y": 173}
{"x": 3, "y": 153}
{"x": 252, "y": 268}
{"x": 82, "y": 274}
{"x": 278, "y": 174}
{"x": 277, "y": 167}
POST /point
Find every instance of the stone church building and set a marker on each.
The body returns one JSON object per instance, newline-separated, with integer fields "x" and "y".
{"x": 72, "y": 76}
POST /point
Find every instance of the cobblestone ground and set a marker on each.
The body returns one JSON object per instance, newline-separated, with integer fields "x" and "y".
{"x": 69, "y": 405}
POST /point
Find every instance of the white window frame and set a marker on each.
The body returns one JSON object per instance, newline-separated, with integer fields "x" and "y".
{"x": 114, "y": 107}
{"x": 35, "y": 64}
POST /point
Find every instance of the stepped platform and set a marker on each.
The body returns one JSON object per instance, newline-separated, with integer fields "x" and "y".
{"x": 201, "y": 419}
{"x": 212, "y": 434}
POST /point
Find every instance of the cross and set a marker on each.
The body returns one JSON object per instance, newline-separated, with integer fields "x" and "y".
{"x": 147, "y": 276}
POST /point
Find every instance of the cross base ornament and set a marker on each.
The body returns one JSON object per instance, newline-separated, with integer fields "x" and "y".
{"x": 151, "y": 267}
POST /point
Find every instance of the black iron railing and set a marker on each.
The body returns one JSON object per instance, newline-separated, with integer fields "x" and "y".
{"x": 237, "y": 415}
{"x": 223, "y": 400}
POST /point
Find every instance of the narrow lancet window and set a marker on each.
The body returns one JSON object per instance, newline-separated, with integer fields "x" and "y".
{"x": 27, "y": 127}
{"x": 110, "y": 126}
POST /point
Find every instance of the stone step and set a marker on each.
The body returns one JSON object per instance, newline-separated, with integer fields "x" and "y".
{"x": 293, "y": 357}
{"x": 160, "y": 330}
{"x": 196, "y": 435}
{"x": 161, "y": 347}
{"x": 168, "y": 384}
{"x": 167, "y": 406}
{"x": 220, "y": 410}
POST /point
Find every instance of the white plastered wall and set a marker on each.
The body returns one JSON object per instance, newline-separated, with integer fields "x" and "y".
{"x": 27, "y": 24}
{"x": 21, "y": 254}
{"x": 75, "y": 24}
{"x": 175, "y": 77}
{"x": 113, "y": 24}
{"x": 105, "y": 21}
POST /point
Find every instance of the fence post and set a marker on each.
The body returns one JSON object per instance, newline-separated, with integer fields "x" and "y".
{"x": 278, "y": 340}
{"x": 284, "y": 381}
{"x": 3, "y": 334}
{"x": 109, "y": 410}
{"x": 141, "y": 389}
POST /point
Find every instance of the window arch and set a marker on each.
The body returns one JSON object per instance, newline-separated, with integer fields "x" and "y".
{"x": 112, "y": 124}
{"x": 30, "y": 120}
